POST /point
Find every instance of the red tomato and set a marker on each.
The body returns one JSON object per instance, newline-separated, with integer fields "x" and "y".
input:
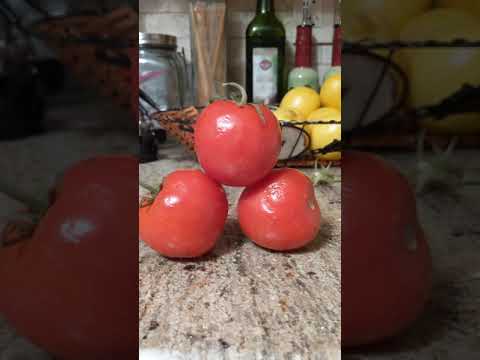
{"x": 187, "y": 217}
{"x": 72, "y": 288}
{"x": 386, "y": 265}
{"x": 280, "y": 212}
{"x": 234, "y": 144}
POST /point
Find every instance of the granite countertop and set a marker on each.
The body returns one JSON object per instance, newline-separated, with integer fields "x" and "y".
{"x": 241, "y": 301}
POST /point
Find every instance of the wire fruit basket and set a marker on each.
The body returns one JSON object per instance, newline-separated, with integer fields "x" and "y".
{"x": 378, "y": 123}
{"x": 296, "y": 140}
{"x": 98, "y": 49}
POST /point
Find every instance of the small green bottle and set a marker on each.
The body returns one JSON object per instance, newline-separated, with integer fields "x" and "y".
{"x": 265, "y": 63}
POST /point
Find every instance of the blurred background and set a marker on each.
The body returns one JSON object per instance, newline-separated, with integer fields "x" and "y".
{"x": 410, "y": 95}
{"x": 48, "y": 86}
{"x": 61, "y": 66}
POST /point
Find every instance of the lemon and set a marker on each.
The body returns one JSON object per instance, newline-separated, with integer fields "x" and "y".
{"x": 324, "y": 114}
{"x": 435, "y": 74}
{"x": 364, "y": 27}
{"x": 334, "y": 70}
{"x": 323, "y": 134}
{"x": 470, "y": 6}
{"x": 331, "y": 92}
{"x": 285, "y": 114}
{"x": 303, "y": 100}
{"x": 356, "y": 27}
{"x": 378, "y": 19}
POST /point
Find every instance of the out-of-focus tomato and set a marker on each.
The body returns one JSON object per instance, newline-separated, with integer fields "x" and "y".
{"x": 237, "y": 145}
{"x": 280, "y": 212}
{"x": 386, "y": 264}
{"x": 303, "y": 100}
{"x": 187, "y": 217}
{"x": 72, "y": 288}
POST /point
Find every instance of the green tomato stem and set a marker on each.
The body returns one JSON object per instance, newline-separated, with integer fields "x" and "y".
{"x": 243, "y": 92}
{"x": 149, "y": 188}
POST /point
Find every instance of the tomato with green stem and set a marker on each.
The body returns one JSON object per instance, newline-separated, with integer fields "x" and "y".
{"x": 237, "y": 144}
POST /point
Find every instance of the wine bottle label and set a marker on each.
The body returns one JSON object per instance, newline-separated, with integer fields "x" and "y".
{"x": 265, "y": 75}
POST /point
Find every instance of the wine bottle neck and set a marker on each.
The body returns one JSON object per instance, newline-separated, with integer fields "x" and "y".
{"x": 265, "y": 6}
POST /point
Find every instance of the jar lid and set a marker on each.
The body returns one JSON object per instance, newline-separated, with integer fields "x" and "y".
{"x": 157, "y": 40}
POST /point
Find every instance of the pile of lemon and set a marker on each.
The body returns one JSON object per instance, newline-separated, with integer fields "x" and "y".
{"x": 434, "y": 74}
{"x": 303, "y": 104}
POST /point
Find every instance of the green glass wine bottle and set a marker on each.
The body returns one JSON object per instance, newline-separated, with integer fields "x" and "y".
{"x": 265, "y": 63}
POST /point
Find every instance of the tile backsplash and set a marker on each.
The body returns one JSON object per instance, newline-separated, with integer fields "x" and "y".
{"x": 172, "y": 17}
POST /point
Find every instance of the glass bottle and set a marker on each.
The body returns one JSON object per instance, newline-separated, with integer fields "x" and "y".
{"x": 304, "y": 74}
{"x": 337, "y": 37}
{"x": 265, "y": 56}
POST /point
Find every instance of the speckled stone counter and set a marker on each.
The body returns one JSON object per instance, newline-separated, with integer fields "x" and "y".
{"x": 241, "y": 301}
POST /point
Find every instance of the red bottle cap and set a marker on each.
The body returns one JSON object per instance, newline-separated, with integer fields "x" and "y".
{"x": 337, "y": 46}
{"x": 303, "y": 53}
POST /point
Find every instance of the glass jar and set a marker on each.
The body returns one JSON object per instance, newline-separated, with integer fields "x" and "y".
{"x": 163, "y": 71}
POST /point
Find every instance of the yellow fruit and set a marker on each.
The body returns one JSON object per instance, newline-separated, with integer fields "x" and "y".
{"x": 470, "y": 6}
{"x": 322, "y": 135}
{"x": 303, "y": 100}
{"x": 381, "y": 18}
{"x": 362, "y": 27}
{"x": 331, "y": 92}
{"x": 355, "y": 27}
{"x": 332, "y": 71}
{"x": 359, "y": 27}
{"x": 285, "y": 114}
{"x": 435, "y": 74}
{"x": 324, "y": 114}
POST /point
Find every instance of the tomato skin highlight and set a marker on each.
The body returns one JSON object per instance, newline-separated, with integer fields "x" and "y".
{"x": 280, "y": 212}
{"x": 187, "y": 217}
{"x": 386, "y": 263}
{"x": 71, "y": 288}
{"x": 234, "y": 145}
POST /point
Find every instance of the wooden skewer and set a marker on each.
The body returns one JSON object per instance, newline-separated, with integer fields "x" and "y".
{"x": 219, "y": 51}
{"x": 199, "y": 30}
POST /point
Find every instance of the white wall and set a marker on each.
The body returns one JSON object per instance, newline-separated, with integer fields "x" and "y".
{"x": 171, "y": 17}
